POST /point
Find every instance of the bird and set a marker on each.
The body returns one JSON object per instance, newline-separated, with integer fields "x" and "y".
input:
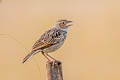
{"x": 51, "y": 40}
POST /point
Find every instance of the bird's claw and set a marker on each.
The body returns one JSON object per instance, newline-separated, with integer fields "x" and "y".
{"x": 55, "y": 62}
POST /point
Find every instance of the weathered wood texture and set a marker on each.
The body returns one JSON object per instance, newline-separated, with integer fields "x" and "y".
{"x": 54, "y": 70}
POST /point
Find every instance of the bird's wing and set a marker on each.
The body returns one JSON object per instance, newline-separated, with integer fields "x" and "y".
{"x": 49, "y": 38}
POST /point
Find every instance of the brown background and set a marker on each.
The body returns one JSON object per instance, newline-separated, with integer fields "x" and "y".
{"x": 92, "y": 48}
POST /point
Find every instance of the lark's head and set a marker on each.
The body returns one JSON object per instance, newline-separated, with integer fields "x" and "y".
{"x": 64, "y": 24}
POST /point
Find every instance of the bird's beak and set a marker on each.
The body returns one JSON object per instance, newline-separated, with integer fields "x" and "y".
{"x": 69, "y": 21}
{"x": 69, "y": 24}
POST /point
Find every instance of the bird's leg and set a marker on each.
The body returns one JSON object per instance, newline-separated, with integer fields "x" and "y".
{"x": 49, "y": 58}
{"x": 53, "y": 59}
{"x": 44, "y": 54}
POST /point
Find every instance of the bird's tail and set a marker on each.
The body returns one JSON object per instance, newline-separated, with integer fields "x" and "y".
{"x": 29, "y": 56}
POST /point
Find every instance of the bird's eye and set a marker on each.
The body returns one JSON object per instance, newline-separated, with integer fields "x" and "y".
{"x": 63, "y": 22}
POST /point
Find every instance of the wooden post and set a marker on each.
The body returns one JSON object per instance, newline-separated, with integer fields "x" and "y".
{"x": 54, "y": 70}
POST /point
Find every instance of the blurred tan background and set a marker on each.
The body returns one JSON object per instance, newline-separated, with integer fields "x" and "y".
{"x": 92, "y": 48}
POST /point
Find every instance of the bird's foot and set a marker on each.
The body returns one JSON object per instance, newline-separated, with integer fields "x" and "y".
{"x": 56, "y": 62}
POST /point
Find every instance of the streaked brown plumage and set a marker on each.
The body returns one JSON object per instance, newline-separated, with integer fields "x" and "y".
{"x": 51, "y": 40}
